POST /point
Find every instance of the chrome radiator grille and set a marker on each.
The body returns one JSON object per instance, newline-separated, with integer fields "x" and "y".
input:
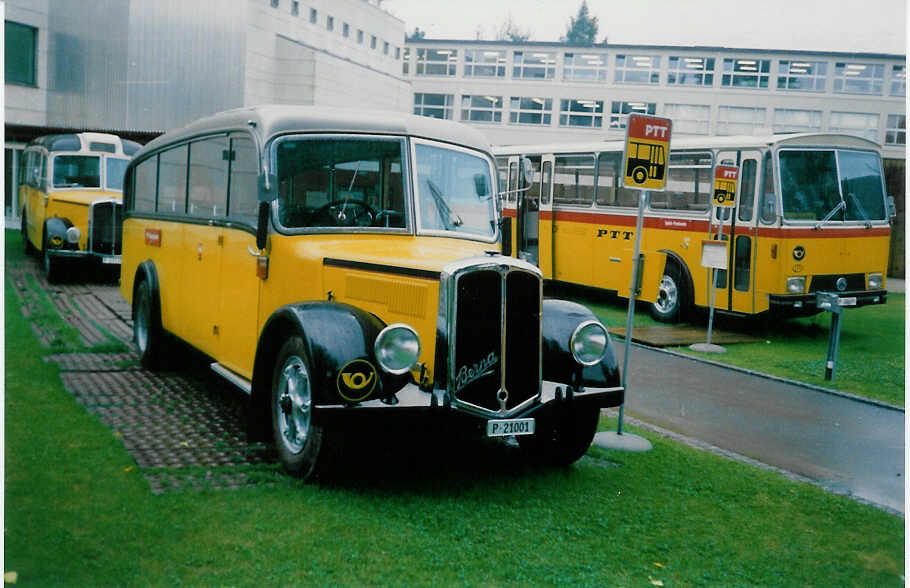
{"x": 106, "y": 227}
{"x": 495, "y": 345}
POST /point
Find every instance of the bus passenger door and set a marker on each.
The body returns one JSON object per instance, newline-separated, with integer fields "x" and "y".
{"x": 527, "y": 217}
{"x": 509, "y": 205}
{"x": 741, "y": 294}
{"x": 545, "y": 218}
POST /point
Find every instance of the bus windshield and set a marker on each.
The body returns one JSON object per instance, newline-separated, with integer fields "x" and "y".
{"x": 114, "y": 170}
{"x": 813, "y": 190}
{"x": 455, "y": 192}
{"x": 77, "y": 171}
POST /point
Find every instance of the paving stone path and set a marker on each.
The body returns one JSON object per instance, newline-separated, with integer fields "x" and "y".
{"x": 185, "y": 429}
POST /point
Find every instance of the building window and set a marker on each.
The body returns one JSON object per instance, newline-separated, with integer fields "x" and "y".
{"x": 898, "y": 80}
{"x": 584, "y": 67}
{"x": 330, "y": 23}
{"x": 533, "y": 66}
{"x": 690, "y": 71}
{"x": 274, "y": 3}
{"x": 345, "y": 30}
{"x": 746, "y": 73}
{"x": 895, "y": 132}
{"x": 436, "y": 62}
{"x": 481, "y": 108}
{"x": 530, "y": 111}
{"x": 434, "y": 105}
{"x": 483, "y": 63}
{"x": 314, "y": 16}
{"x": 372, "y": 41}
{"x": 689, "y": 119}
{"x": 359, "y": 37}
{"x": 788, "y": 120}
{"x": 295, "y": 8}
{"x": 858, "y": 78}
{"x": 397, "y": 52}
{"x": 739, "y": 120}
{"x": 864, "y": 124}
{"x": 20, "y": 45}
{"x": 581, "y": 113}
{"x": 808, "y": 76}
{"x": 619, "y": 112}
{"x": 406, "y": 61}
{"x": 385, "y": 47}
{"x": 637, "y": 69}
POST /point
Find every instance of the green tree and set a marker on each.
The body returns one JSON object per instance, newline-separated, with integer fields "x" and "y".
{"x": 582, "y": 28}
{"x": 510, "y": 31}
{"x": 416, "y": 35}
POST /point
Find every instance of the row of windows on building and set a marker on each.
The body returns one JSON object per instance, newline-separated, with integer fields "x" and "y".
{"x": 344, "y": 28}
{"x": 687, "y": 118}
{"x": 693, "y": 71}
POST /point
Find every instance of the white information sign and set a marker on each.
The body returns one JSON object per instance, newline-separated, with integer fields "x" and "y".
{"x": 714, "y": 254}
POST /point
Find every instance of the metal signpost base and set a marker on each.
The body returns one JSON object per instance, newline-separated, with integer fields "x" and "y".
{"x": 707, "y": 347}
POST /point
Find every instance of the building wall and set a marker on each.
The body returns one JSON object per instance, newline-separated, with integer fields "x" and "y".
{"x": 27, "y": 105}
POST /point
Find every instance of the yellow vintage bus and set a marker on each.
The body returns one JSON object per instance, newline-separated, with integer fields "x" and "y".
{"x": 811, "y": 215}
{"x": 339, "y": 265}
{"x": 70, "y": 198}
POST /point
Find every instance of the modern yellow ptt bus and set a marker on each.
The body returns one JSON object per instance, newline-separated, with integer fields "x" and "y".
{"x": 811, "y": 214}
{"x": 341, "y": 265}
{"x": 71, "y": 195}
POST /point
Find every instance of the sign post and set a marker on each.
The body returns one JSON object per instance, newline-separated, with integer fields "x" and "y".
{"x": 645, "y": 163}
{"x": 714, "y": 253}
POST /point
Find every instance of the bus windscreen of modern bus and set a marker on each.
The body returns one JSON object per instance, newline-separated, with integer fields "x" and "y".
{"x": 810, "y": 191}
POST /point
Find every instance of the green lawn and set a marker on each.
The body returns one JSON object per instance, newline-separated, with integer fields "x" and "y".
{"x": 79, "y": 513}
{"x": 870, "y": 361}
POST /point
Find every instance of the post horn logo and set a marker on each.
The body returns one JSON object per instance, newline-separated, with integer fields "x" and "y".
{"x": 356, "y": 380}
{"x": 799, "y": 252}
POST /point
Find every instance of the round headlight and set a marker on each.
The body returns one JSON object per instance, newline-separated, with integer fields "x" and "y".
{"x": 72, "y": 235}
{"x": 397, "y": 348}
{"x": 588, "y": 342}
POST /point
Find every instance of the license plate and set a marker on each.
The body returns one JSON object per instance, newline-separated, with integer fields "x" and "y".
{"x": 850, "y": 301}
{"x": 110, "y": 259}
{"x": 506, "y": 427}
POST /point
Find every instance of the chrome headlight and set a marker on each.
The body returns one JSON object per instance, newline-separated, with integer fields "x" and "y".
{"x": 876, "y": 281}
{"x": 588, "y": 342}
{"x": 397, "y": 348}
{"x": 73, "y": 234}
{"x": 796, "y": 284}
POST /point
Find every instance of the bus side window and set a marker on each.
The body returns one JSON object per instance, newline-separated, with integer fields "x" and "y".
{"x": 243, "y": 200}
{"x": 172, "y": 180}
{"x": 607, "y": 191}
{"x": 146, "y": 185}
{"x": 502, "y": 168}
{"x": 513, "y": 182}
{"x": 768, "y": 200}
{"x": 689, "y": 183}
{"x": 208, "y": 178}
{"x": 746, "y": 202}
{"x": 573, "y": 181}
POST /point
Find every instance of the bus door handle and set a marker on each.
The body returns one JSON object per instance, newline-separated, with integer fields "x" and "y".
{"x": 253, "y": 251}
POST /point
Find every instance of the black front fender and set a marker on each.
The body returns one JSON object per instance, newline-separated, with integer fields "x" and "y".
{"x": 560, "y": 319}
{"x": 55, "y": 231}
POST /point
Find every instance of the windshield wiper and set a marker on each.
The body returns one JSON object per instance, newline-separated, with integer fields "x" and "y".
{"x": 445, "y": 211}
{"x": 866, "y": 222}
{"x": 840, "y": 206}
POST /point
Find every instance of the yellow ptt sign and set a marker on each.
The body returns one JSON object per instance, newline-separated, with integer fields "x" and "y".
{"x": 725, "y": 178}
{"x": 646, "y": 152}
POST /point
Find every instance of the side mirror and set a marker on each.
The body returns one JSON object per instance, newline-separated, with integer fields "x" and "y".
{"x": 262, "y": 227}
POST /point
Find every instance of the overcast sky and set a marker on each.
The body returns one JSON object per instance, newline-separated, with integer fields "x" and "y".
{"x": 876, "y": 26}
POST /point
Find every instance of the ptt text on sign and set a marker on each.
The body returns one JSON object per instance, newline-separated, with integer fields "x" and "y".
{"x": 647, "y": 151}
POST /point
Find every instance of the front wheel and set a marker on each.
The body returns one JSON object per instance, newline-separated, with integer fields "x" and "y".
{"x": 298, "y": 437}
{"x": 147, "y": 330}
{"x": 670, "y": 297}
{"x": 50, "y": 264}
{"x": 563, "y": 438}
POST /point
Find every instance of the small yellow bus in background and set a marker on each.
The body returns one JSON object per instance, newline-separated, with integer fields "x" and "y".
{"x": 71, "y": 196}
{"x": 811, "y": 214}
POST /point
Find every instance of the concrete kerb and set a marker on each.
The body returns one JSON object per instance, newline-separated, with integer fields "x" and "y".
{"x": 775, "y": 378}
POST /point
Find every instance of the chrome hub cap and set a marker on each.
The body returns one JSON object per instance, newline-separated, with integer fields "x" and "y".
{"x": 293, "y": 404}
{"x": 667, "y": 295}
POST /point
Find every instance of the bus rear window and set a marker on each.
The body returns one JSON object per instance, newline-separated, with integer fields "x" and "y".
{"x": 77, "y": 171}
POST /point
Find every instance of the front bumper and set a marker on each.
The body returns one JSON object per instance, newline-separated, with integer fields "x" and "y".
{"x": 412, "y": 399}
{"x": 802, "y": 303}
{"x": 73, "y": 254}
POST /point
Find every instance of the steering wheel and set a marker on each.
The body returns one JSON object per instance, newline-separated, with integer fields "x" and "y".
{"x": 345, "y": 213}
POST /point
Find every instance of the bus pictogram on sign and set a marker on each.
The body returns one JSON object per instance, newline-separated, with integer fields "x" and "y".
{"x": 725, "y": 178}
{"x": 647, "y": 149}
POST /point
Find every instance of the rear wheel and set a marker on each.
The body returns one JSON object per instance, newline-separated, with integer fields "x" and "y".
{"x": 26, "y": 244}
{"x": 298, "y": 437}
{"x": 564, "y": 437}
{"x": 147, "y": 330}
{"x": 671, "y": 297}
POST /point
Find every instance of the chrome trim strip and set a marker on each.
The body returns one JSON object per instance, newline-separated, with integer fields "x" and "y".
{"x": 241, "y": 382}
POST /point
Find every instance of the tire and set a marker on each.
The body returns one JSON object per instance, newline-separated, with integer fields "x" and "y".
{"x": 563, "y": 438}
{"x": 298, "y": 437}
{"x": 26, "y": 244}
{"x": 639, "y": 175}
{"x": 671, "y": 296}
{"x": 52, "y": 269}
{"x": 147, "y": 331}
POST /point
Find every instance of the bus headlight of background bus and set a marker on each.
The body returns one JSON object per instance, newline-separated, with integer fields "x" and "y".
{"x": 875, "y": 281}
{"x": 588, "y": 342}
{"x": 397, "y": 348}
{"x": 796, "y": 284}
{"x": 72, "y": 235}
